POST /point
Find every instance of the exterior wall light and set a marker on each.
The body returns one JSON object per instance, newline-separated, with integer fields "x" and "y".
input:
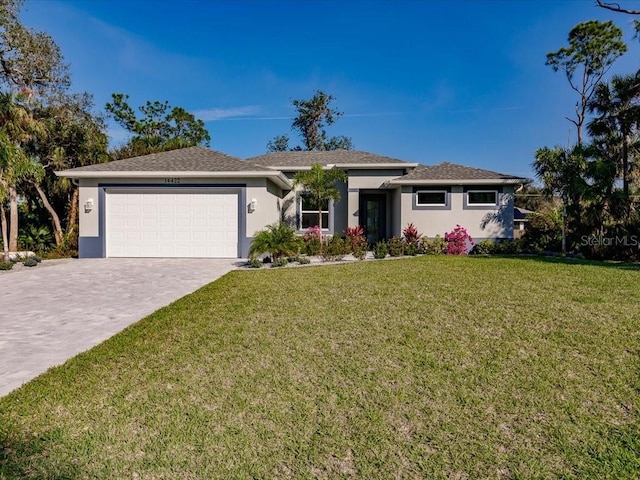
{"x": 88, "y": 205}
{"x": 253, "y": 204}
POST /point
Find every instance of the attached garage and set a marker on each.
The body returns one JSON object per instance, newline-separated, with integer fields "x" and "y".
{"x": 171, "y": 222}
{"x": 191, "y": 203}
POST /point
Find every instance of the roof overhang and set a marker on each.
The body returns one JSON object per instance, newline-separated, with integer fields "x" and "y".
{"x": 275, "y": 176}
{"x": 474, "y": 181}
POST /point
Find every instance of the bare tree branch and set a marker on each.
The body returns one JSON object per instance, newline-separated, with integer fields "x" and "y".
{"x": 615, "y": 7}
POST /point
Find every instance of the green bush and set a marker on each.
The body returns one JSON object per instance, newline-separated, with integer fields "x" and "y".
{"x": 254, "y": 263}
{"x": 334, "y": 249}
{"x": 485, "y": 247}
{"x": 279, "y": 262}
{"x": 435, "y": 246}
{"x": 30, "y": 262}
{"x": 6, "y": 265}
{"x": 303, "y": 260}
{"x": 411, "y": 249}
{"x": 508, "y": 247}
{"x": 380, "y": 250}
{"x": 279, "y": 240}
{"x": 396, "y": 247}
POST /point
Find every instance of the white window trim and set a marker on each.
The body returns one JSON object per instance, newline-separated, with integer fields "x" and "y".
{"x": 494, "y": 204}
{"x": 301, "y": 228}
{"x": 444, "y": 204}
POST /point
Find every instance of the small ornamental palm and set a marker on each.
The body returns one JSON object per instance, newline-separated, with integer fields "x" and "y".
{"x": 278, "y": 240}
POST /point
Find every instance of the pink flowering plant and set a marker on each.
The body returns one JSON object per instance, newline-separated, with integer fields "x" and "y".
{"x": 459, "y": 242}
{"x": 411, "y": 235}
{"x": 356, "y": 242}
{"x": 312, "y": 239}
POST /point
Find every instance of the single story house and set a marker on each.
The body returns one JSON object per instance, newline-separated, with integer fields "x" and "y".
{"x": 196, "y": 202}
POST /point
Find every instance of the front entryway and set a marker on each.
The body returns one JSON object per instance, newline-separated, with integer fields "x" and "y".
{"x": 373, "y": 216}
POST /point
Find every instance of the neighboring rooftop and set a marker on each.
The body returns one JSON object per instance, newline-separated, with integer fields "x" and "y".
{"x": 325, "y": 157}
{"x": 190, "y": 159}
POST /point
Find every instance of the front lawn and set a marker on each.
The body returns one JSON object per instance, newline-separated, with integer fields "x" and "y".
{"x": 430, "y": 367}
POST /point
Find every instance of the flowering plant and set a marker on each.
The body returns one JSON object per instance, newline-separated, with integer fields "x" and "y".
{"x": 356, "y": 241}
{"x": 411, "y": 235}
{"x": 312, "y": 239}
{"x": 458, "y": 241}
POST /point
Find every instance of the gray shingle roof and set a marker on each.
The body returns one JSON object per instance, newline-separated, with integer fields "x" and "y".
{"x": 327, "y": 157}
{"x": 452, "y": 171}
{"x": 190, "y": 159}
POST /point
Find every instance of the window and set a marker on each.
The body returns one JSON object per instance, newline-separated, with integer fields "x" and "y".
{"x": 309, "y": 212}
{"x": 431, "y": 198}
{"x": 482, "y": 197}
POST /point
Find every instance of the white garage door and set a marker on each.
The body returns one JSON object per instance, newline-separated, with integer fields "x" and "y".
{"x": 171, "y": 224}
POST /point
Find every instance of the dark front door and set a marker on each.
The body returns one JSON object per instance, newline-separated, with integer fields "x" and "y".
{"x": 373, "y": 216}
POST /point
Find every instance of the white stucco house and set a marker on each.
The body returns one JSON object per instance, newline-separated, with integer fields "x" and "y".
{"x": 196, "y": 202}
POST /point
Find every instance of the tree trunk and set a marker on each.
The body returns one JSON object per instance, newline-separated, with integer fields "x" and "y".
{"x": 5, "y": 237}
{"x": 55, "y": 219}
{"x": 72, "y": 221}
{"x": 13, "y": 219}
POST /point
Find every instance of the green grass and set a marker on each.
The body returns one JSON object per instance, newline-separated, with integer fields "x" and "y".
{"x": 430, "y": 367}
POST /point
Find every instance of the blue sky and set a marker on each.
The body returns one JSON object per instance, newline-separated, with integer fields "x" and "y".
{"x": 423, "y": 81}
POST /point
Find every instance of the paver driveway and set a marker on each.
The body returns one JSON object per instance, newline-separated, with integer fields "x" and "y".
{"x": 52, "y": 312}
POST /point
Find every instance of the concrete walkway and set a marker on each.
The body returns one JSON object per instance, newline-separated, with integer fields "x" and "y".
{"x": 56, "y": 310}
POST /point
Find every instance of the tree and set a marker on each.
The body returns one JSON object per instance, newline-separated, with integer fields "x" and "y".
{"x": 31, "y": 70}
{"x": 320, "y": 185}
{"x": 75, "y": 137}
{"x": 17, "y": 129}
{"x": 30, "y": 61}
{"x": 563, "y": 173}
{"x": 161, "y": 128}
{"x": 593, "y": 47}
{"x": 313, "y": 116}
{"x": 617, "y": 104}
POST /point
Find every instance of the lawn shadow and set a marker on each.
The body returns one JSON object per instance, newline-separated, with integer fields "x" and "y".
{"x": 22, "y": 458}
{"x": 570, "y": 261}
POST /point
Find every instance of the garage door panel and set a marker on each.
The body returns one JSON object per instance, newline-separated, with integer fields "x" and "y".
{"x": 156, "y": 224}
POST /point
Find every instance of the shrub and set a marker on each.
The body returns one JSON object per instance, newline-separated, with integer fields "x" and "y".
{"x": 279, "y": 262}
{"x": 6, "y": 265}
{"x": 411, "y": 249}
{"x": 543, "y": 231}
{"x": 30, "y": 262}
{"x": 279, "y": 240}
{"x": 458, "y": 241}
{"x": 485, "y": 247}
{"x": 380, "y": 250}
{"x": 508, "y": 247}
{"x": 411, "y": 235}
{"x": 312, "y": 240}
{"x": 334, "y": 249}
{"x": 303, "y": 260}
{"x": 396, "y": 247}
{"x": 254, "y": 263}
{"x": 356, "y": 242}
{"x": 435, "y": 246}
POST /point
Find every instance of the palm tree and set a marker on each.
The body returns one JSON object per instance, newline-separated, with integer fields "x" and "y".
{"x": 279, "y": 240}
{"x": 618, "y": 107}
{"x": 320, "y": 185}
{"x": 17, "y": 128}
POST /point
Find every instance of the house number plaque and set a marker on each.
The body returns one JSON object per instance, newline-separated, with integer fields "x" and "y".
{"x": 171, "y": 180}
